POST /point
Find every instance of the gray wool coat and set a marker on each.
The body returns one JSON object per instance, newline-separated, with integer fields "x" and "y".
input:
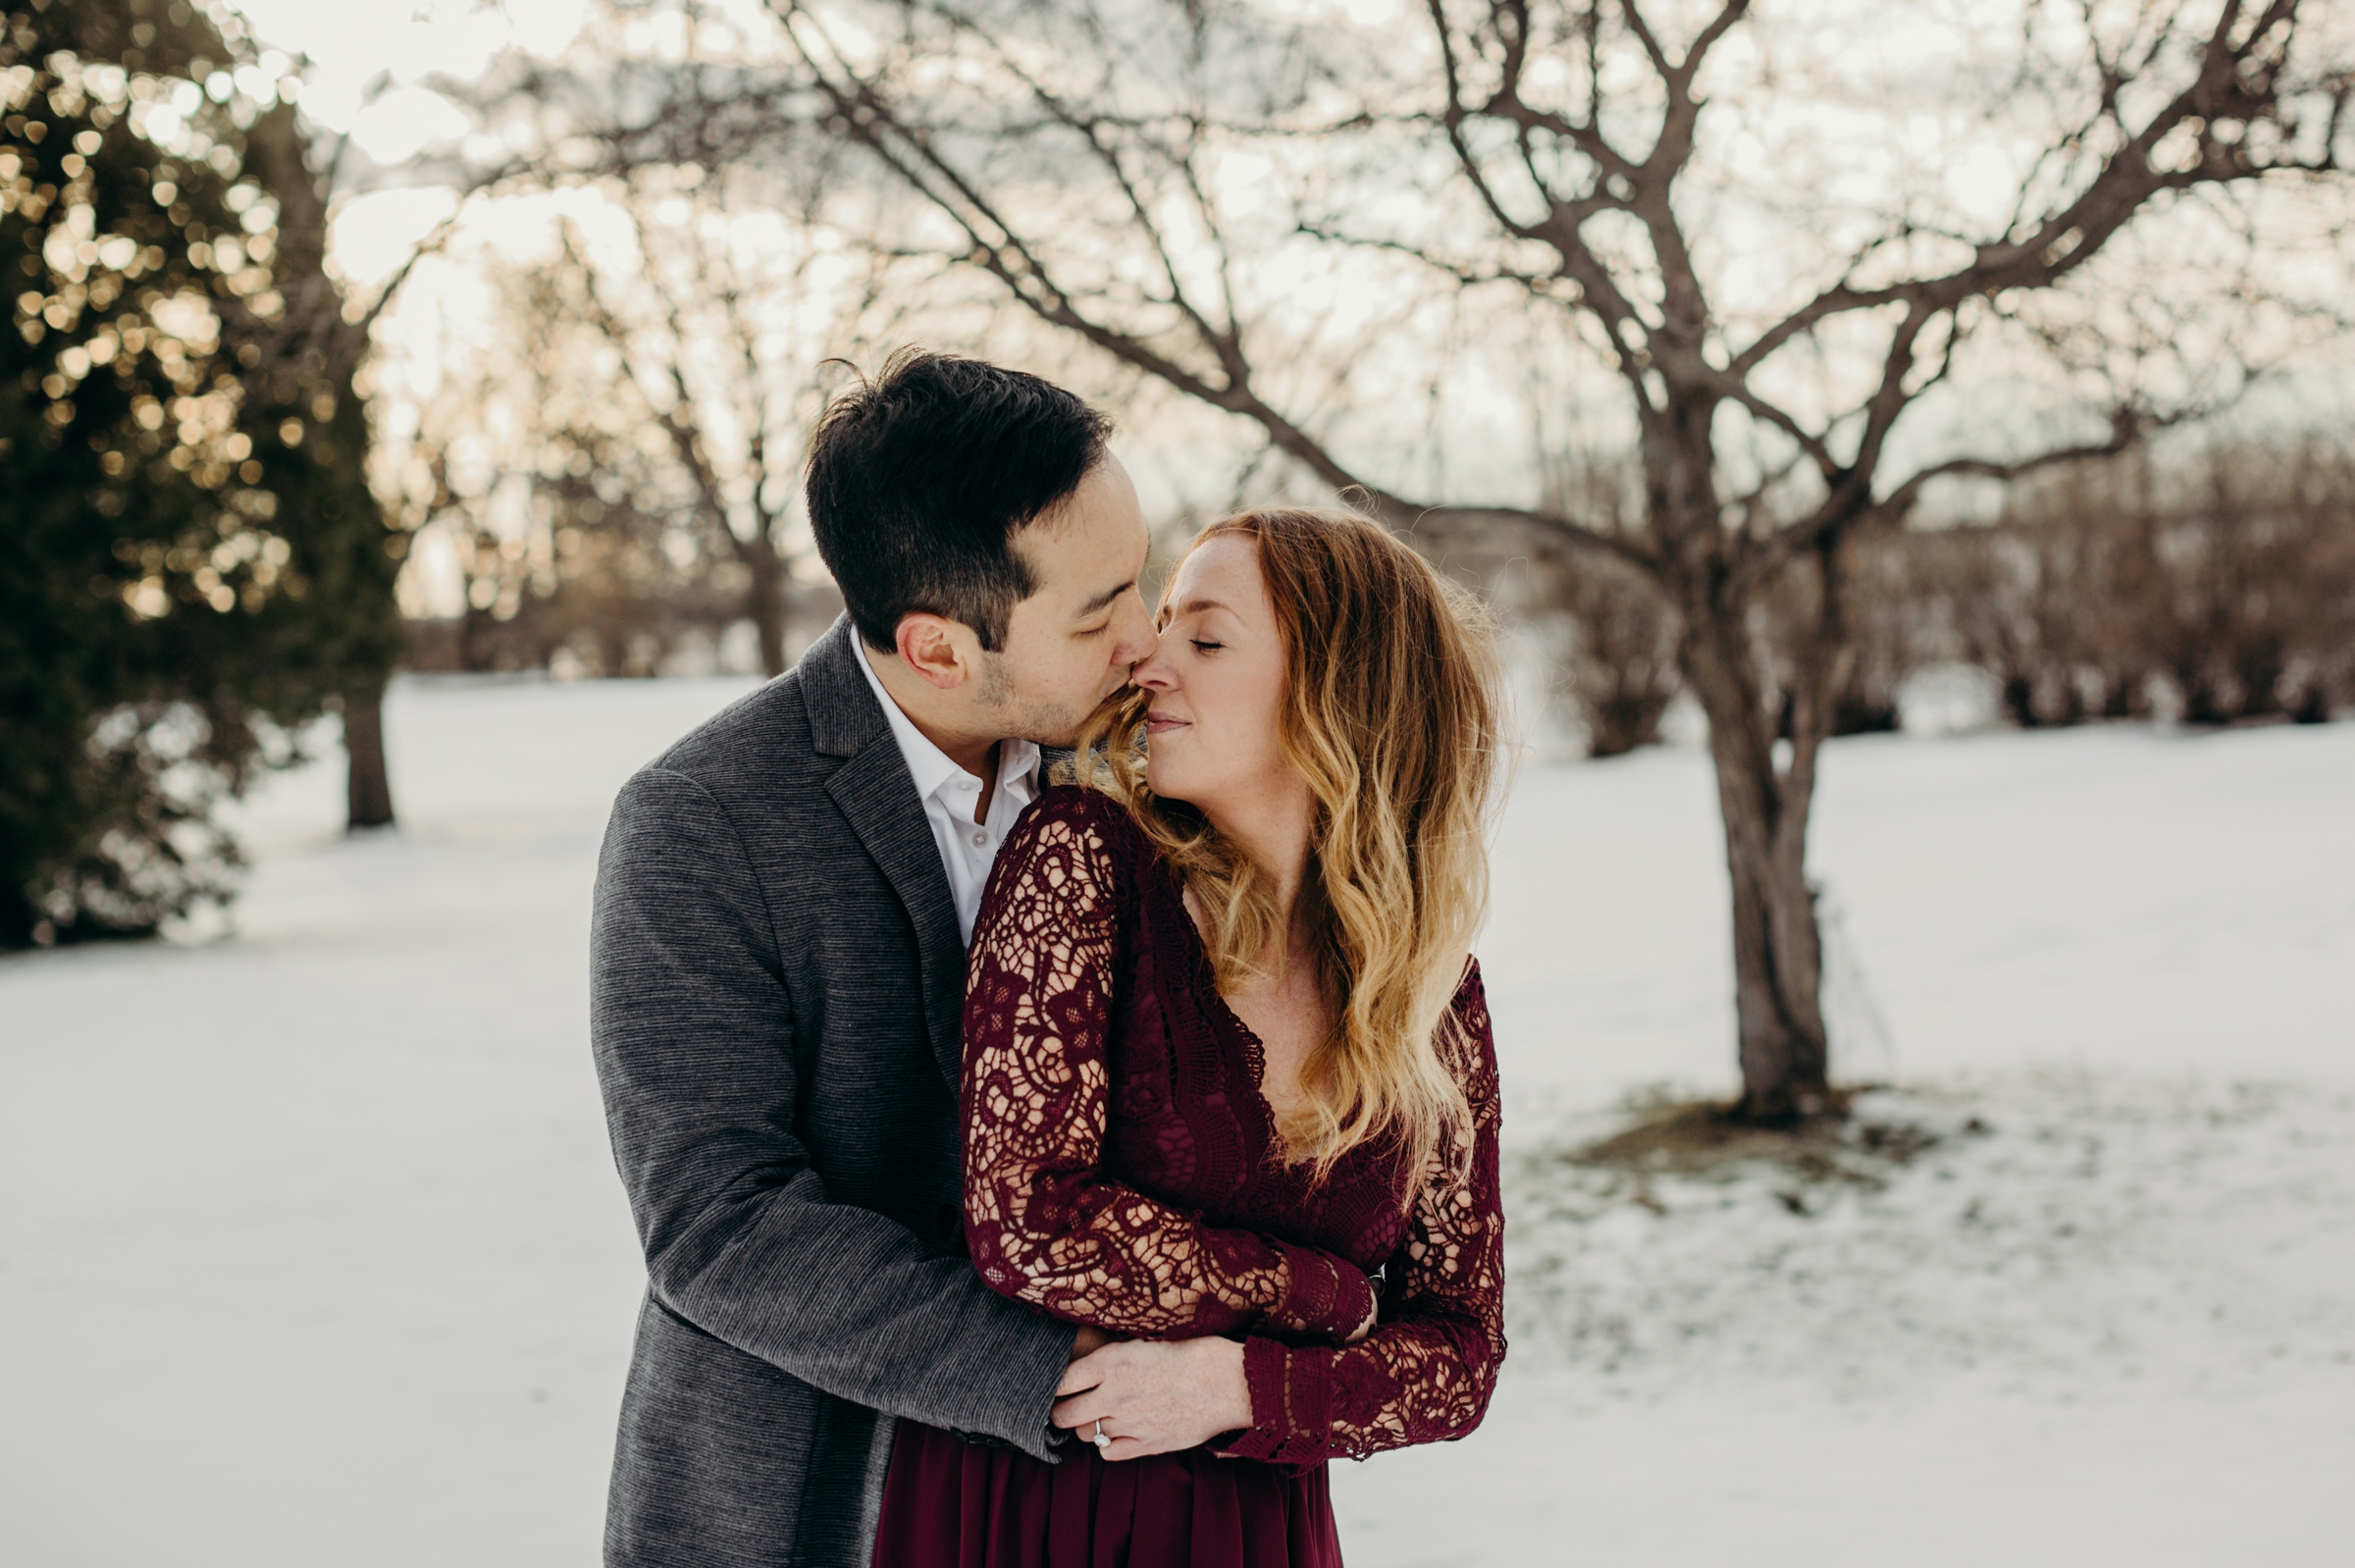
{"x": 776, "y": 984}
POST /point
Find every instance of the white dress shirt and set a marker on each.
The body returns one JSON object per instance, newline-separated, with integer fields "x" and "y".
{"x": 952, "y": 795}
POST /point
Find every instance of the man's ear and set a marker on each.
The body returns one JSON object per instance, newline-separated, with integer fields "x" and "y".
{"x": 945, "y": 653}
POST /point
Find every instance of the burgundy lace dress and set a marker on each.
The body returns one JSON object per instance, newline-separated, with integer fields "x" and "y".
{"x": 1122, "y": 1170}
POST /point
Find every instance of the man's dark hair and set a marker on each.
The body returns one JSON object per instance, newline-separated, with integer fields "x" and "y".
{"x": 919, "y": 477}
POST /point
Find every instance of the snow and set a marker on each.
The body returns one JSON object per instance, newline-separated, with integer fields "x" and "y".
{"x": 314, "y": 1253}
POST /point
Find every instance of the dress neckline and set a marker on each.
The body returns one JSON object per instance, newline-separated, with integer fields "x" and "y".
{"x": 1201, "y": 980}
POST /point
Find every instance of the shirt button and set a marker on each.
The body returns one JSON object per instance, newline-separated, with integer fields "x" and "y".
{"x": 981, "y": 840}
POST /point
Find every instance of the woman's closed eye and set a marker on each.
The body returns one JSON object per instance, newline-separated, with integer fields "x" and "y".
{"x": 1203, "y": 647}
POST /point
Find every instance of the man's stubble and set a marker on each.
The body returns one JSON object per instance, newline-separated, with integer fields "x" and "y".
{"x": 1021, "y": 717}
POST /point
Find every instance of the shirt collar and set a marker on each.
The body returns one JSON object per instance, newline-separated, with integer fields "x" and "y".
{"x": 929, "y": 765}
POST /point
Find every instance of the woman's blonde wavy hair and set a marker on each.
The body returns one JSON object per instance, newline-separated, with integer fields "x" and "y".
{"x": 1392, "y": 713}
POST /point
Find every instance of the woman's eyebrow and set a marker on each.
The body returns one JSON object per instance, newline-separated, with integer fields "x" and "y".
{"x": 1195, "y": 605}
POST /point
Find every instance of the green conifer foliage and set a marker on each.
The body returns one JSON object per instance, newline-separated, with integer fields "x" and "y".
{"x": 191, "y": 562}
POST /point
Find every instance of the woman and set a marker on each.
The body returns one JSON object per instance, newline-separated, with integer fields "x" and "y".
{"x": 1226, "y": 1057}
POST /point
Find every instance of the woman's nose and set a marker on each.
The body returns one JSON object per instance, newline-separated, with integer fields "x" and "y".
{"x": 1153, "y": 673}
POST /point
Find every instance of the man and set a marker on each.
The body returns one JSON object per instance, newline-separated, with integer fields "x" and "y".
{"x": 778, "y": 953}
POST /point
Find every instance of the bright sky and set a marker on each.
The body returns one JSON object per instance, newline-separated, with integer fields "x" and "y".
{"x": 365, "y": 64}
{"x": 353, "y": 46}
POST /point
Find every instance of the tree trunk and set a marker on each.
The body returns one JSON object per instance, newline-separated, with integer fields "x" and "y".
{"x": 370, "y": 796}
{"x": 1778, "y": 953}
{"x": 764, "y": 603}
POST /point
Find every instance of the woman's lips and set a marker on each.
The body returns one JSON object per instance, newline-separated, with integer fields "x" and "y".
{"x": 1161, "y": 724}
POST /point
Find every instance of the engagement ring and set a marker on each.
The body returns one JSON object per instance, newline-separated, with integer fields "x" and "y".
{"x": 1102, "y": 1442}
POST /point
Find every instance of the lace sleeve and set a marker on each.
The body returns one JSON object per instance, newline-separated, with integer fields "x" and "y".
{"x": 1046, "y": 1224}
{"x": 1427, "y": 1372}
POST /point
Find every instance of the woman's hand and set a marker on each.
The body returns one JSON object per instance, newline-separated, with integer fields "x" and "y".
{"x": 1154, "y": 1397}
{"x": 1372, "y": 1300}
{"x": 1324, "y": 1298}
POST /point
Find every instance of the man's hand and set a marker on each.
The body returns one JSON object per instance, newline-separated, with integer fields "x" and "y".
{"x": 1154, "y": 1397}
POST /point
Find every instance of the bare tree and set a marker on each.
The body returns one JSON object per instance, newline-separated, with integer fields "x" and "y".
{"x": 563, "y": 529}
{"x": 1574, "y": 178}
{"x": 1266, "y": 216}
{"x": 2217, "y": 586}
{"x": 2055, "y": 600}
{"x": 1622, "y": 655}
{"x": 647, "y": 389}
{"x": 722, "y": 324}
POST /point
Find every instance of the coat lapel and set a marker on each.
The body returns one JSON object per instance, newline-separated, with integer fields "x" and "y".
{"x": 876, "y": 796}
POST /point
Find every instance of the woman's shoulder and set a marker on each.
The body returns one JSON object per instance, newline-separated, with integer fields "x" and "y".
{"x": 1084, "y": 808}
{"x": 1471, "y": 996}
{"x": 1072, "y": 820}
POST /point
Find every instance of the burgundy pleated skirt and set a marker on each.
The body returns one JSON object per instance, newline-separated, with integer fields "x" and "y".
{"x": 948, "y": 1503}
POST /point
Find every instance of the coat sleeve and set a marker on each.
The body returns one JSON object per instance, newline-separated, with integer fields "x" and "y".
{"x": 692, "y": 1026}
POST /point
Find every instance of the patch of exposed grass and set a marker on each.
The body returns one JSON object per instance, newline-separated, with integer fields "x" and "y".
{"x": 1850, "y": 1142}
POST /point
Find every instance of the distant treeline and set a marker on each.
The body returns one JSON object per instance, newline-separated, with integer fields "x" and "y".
{"x": 588, "y": 619}
{"x": 2209, "y": 591}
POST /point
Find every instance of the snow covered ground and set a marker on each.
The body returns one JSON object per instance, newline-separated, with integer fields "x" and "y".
{"x": 313, "y": 1254}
